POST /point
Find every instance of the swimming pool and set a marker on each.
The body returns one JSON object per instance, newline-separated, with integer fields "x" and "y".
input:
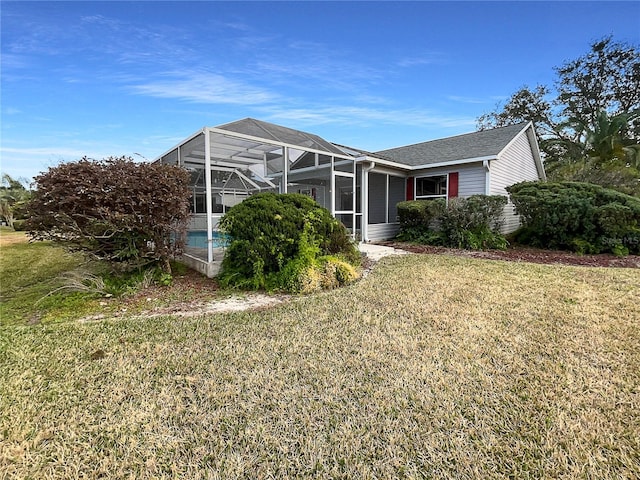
{"x": 198, "y": 239}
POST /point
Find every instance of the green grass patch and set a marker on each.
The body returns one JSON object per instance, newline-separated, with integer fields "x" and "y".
{"x": 29, "y": 272}
{"x": 430, "y": 367}
{"x": 42, "y": 283}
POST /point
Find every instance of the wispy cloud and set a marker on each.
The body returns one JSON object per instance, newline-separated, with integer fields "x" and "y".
{"x": 205, "y": 87}
{"x": 363, "y": 116}
{"x": 19, "y": 161}
{"x": 420, "y": 60}
{"x": 43, "y": 151}
{"x": 28, "y": 161}
{"x": 469, "y": 100}
{"x": 11, "y": 111}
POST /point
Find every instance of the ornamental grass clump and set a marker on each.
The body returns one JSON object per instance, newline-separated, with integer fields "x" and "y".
{"x": 285, "y": 242}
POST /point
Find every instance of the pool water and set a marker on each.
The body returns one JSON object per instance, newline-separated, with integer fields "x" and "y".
{"x": 198, "y": 239}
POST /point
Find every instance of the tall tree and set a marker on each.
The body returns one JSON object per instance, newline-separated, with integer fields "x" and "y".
{"x": 610, "y": 158}
{"x": 13, "y": 194}
{"x": 605, "y": 81}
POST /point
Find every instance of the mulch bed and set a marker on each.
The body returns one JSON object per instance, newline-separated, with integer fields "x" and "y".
{"x": 527, "y": 254}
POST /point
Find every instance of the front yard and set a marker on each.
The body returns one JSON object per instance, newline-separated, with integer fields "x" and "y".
{"x": 433, "y": 366}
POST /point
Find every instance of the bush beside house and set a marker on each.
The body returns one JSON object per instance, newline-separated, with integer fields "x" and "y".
{"x": 582, "y": 217}
{"x": 472, "y": 223}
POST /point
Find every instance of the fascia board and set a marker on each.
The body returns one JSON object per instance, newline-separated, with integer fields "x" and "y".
{"x": 412, "y": 168}
{"x": 454, "y": 162}
{"x": 389, "y": 163}
{"x": 536, "y": 154}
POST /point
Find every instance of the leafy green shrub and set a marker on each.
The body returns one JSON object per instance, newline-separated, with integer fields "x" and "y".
{"x": 19, "y": 225}
{"x": 471, "y": 223}
{"x": 325, "y": 273}
{"x": 278, "y": 241}
{"x": 417, "y": 217}
{"x": 474, "y": 222}
{"x": 582, "y": 217}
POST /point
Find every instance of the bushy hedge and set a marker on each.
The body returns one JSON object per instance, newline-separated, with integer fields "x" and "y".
{"x": 583, "y": 217}
{"x": 471, "y": 223}
{"x": 126, "y": 213}
{"x": 417, "y": 216}
{"x": 286, "y": 242}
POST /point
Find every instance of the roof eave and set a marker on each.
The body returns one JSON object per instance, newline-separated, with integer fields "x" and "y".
{"x": 381, "y": 161}
{"x": 454, "y": 162}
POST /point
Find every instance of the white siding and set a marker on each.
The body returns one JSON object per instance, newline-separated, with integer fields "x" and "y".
{"x": 515, "y": 164}
{"x": 382, "y": 231}
{"x": 471, "y": 177}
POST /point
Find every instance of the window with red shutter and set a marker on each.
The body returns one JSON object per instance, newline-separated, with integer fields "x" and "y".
{"x": 453, "y": 185}
{"x": 410, "y": 188}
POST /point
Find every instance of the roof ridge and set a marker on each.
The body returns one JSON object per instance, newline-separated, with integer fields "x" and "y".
{"x": 455, "y": 136}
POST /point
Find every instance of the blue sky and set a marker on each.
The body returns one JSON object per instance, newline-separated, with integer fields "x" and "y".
{"x": 135, "y": 78}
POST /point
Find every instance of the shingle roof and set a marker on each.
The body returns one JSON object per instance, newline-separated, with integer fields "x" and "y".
{"x": 271, "y": 131}
{"x": 485, "y": 143}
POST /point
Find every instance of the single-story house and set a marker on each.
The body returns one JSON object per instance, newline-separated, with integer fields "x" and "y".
{"x": 360, "y": 188}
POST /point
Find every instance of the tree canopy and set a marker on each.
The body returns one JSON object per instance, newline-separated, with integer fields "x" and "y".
{"x": 13, "y": 196}
{"x": 588, "y": 122}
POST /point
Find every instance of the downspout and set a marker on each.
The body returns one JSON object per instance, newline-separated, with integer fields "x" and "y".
{"x": 285, "y": 171}
{"x": 487, "y": 177}
{"x": 365, "y": 200}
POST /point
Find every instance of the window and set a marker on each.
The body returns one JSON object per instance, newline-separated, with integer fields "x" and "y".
{"x": 431, "y": 187}
{"x": 385, "y": 191}
{"x": 397, "y": 194}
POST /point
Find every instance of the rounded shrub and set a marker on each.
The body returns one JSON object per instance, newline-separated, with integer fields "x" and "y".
{"x": 471, "y": 223}
{"x": 277, "y": 241}
{"x": 582, "y": 217}
{"x": 417, "y": 217}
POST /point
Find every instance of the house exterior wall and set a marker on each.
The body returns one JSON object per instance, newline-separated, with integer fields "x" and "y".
{"x": 471, "y": 181}
{"x": 382, "y": 231}
{"x": 471, "y": 177}
{"x": 515, "y": 164}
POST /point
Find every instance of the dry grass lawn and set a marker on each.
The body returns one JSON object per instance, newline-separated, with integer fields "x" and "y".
{"x": 431, "y": 367}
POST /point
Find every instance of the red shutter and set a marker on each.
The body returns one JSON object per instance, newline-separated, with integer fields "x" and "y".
{"x": 453, "y": 185}
{"x": 410, "y": 188}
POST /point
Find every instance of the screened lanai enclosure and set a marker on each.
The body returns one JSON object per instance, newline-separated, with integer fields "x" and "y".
{"x": 232, "y": 161}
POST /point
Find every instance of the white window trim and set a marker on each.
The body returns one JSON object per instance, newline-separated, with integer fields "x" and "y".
{"x": 426, "y": 197}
